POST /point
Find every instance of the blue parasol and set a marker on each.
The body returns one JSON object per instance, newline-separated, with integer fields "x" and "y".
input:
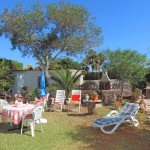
{"x": 43, "y": 91}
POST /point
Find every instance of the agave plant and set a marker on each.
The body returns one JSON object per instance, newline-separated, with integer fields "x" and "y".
{"x": 65, "y": 79}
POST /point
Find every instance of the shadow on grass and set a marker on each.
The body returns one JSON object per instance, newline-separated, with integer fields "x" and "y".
{"x": 5, "y": 127}
{"x": 78, "y": 115}
{"x": 55, "y": 110}
{"x": 147, "y": 122}
{"x": 124, "y": 138}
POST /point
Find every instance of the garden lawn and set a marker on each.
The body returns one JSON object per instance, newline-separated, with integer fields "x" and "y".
{"x": 74, "y": 131}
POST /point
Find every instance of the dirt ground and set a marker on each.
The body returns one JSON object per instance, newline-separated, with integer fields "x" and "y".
{"x": 126, "y": 137}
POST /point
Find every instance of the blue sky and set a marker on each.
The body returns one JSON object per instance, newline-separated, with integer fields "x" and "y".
{"x": 125, "y": 24}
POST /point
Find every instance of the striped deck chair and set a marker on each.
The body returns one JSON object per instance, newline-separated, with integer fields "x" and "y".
{"x": 75, "y": 101}
{"x": 127, "y": 114}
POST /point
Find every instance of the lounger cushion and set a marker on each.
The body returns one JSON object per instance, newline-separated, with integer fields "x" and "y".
{"x": 127, "y": 113}
{"x": 107, "y": 121}
{"x": 75, "y": 97}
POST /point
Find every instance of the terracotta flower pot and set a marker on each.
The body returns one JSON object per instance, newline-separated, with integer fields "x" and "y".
{"x": 95, "y": 97}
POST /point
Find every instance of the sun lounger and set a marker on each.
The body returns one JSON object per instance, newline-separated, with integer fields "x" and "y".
{"x": 115, "y": 118}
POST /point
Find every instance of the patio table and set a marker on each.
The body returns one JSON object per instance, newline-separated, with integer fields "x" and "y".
{"x": 16, "y": 113}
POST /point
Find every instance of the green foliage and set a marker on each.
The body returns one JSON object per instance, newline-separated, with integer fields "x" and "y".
{"x": 94, "y": 59}
{"x": 65, "y": 79}
{"x": 58, "y": 29}
{"x": 7, "y": 79}
{"x": 16, "y": 65}
{"x": 126, "y": 65}
{"x": 76, "y": 27}
{"x": 34, "y": 93}
{"x": 94, "y": 93}
{"x": 65, "y": 63}
{"x": 89, "y": 85}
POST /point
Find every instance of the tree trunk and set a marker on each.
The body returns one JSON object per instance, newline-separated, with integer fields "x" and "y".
{"x": 46, "y": 70}
{"x": 122, "y": 84}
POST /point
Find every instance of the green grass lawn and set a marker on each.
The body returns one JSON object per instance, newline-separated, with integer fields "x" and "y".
{"x": 74, "y": 131}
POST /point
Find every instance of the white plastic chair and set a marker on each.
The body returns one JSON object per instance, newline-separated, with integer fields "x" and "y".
{"x": 127, "y": 114}
{"x": 32, "y": 118}
{"x": 75, "y": 100}
{"x": 44, "y": 101}
{"x": 58, "y": 101}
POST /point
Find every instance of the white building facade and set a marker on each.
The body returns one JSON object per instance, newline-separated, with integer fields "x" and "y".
{"x": 31, "y": 79}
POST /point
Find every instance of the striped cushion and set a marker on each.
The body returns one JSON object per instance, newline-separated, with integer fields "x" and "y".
{"x": 107, "y": 120}
{"x": 128, "y": 110}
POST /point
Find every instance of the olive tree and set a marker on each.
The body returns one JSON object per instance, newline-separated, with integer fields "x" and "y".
{"x": 47, "y": 33}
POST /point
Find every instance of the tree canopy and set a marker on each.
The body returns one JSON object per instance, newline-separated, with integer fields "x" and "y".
{"x": 65, "y": 63}
{"x": 46, "y": 33}
{"x": 7, "y": 79}
{"x": 126, "y": 65}
{"x": 14, "y": 65}
{"x": 94, "y": 60}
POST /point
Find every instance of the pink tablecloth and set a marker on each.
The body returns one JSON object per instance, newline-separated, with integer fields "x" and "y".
{"x": 16, "y": 113}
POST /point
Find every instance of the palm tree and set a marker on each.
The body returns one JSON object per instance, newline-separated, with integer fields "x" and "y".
{"x": 94, "y": 59}
{"x": 99, "y": 61}
{"x": 65, "y": 80}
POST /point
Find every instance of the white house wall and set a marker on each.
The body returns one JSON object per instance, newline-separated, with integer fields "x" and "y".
{"x": 26, "y": 78}
{"x": 30, "y": 78}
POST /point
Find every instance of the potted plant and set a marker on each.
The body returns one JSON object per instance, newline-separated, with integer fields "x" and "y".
{"x": 86, "y": 96}
{"x": 94, "y": 95}
{"x": 34, "y": 93}
{"x": 117, "y": 105}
